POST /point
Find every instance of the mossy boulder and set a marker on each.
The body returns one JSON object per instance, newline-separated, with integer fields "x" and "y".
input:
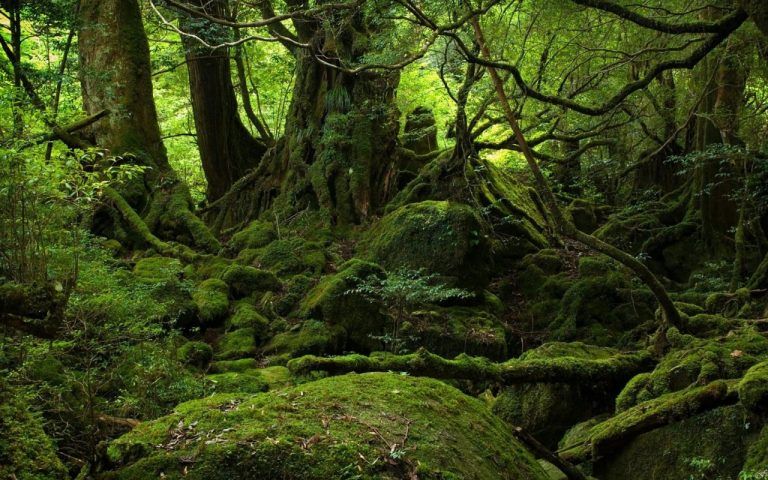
{"x": 548, "y": 410}
{"x": 26, "y": 452}
{"x": 212, "y": 300}
{"x": 289, "y": 256}
{"x": 236, "y": 344}
{"x": 244, "y": 281}
{"x": 332, "y": 301}
{"x": 753, "y": 388}
{"x": 711, "y": 445}
{"x": 248, "y": 381}
{"x": 256, "y": 235}
{"x": 696, "y": 362}
{"x": 440, "y": 237}
{"x": 371, "y": 426}
{"x": 158, "y": 269}
{"x": 195, "y": 354}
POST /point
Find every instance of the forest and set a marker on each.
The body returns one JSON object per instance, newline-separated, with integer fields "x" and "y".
{"x": 384, "y": 239}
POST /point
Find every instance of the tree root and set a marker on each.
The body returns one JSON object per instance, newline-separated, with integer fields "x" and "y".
{"x": 619, "y": 368}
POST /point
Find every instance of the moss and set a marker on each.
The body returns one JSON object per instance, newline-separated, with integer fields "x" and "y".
{"x": 756, "y": 464}
{"x": 291, "y": 256}
{"x": 310, "y": 337}
{"x": 26, "y": 452}
{"x": 158, "y": 269}
{"x": 240, "y": 365}
{"x": 341, "y": 427}
{"x": 696, "y": 362}
{"x": 711, "y": 445}
{"x": 444, "y": 238}
{"x": 548, "y": 410}
{"x": 256, "y": 235}
{"x": 753, "y": 388}
{"x": 236, "y": 344}
{"x": 243, "y": 281}
{"x": 331, "y": 301}
{"x": 247, "y": 316}
{"x": 195, "y": 354}
{"x": 249, "y": 381}
{"x": 212, "y": 301}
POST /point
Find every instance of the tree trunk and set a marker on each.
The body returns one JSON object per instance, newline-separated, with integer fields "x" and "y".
{"x": 116, "y": 76}
{"x": 341, "y": 131}
{"x": 227, "y": 149}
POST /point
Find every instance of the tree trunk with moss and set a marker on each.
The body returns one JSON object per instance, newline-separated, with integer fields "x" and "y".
{"x": 116, "y": 76}
{"x": 340, "y": 145}
{"x": 227, "y": 149}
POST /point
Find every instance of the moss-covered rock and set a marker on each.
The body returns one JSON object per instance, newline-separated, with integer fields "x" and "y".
{"x": 248, "y": 381}
{"x": 236, "y": 344}
{"x": 256, "y": 235}
{"x": 309, "y": 337}
{"x": 195, "y": 354}
{"x": 332, "y": 301}
{"x": 243, "y": 280}
{"x": 246, "y": 315}
{"x": 711, "y": 445}
{"x": 158, "y": 269}
{"x": 212, "y": 300}
{"x": 382, "y": 426}
{"x": 26, "y": 452}
{"x": 289, "y": 256}
{"x": 753, "y": 388}
{"x": 696, "y": 362}
{"x": 444, "y": 238}
{"x": 548, "y": 410}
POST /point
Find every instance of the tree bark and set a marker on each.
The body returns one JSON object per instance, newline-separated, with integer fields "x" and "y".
{"x": 227, "y": 149}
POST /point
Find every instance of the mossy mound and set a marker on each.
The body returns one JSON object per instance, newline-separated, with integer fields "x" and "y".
{"x": 548, "y": 410}
{"x": 443, "y": 238}
{"x": 696, "y": 362}
{"x": 331, "y": 301}
{"x": 236, "y": 344}
{"x": 195, "y": 354}
{"x": 753, "y": 388}
{"x": 290, "y": 256}
{"x": 244, "y": 281}
{"x": 711, "y": 445}
{"x": 256, "y": 235}
{"x": 449, "y": 331}
{"x": 26, "y": 452}
{"x": 158, "y": 269}
{"x": 212, "y": 300}
{"x": 248, "y": 381}
{"x": 371, "y": 426}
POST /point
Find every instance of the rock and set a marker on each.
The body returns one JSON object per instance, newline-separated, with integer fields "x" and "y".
{"x": 440, "y": 237}
{"x": 370, "y": 426}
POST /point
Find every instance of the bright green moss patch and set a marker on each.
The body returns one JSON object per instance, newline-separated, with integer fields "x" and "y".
{"x": 444, "y": 238}
{"x": 158, "y": 269}
{"x": 26, "y": 452}
{"x": 753, "y": 388}
{"x": 243, "y": 280}
{"x": 696, "y": 362}
{"x": 236, "y": 344}
{"x": 256, "y": 235}
{"x": 249, "y": 381}
{"x": 341, "y": 427}
{"x": 212, "y": 300}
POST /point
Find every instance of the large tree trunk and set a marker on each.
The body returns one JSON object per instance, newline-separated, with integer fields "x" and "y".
{"x": 341, "y": 132}
{"x": 116, "y": 76}
{"x": 227, "y": 149}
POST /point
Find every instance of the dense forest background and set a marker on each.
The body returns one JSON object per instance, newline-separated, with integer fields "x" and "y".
{"x": 354, "y": 239}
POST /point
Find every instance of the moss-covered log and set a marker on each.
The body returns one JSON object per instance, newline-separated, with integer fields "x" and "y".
{"x": 608, "y": 436}
{"x": 422, "y": 363}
